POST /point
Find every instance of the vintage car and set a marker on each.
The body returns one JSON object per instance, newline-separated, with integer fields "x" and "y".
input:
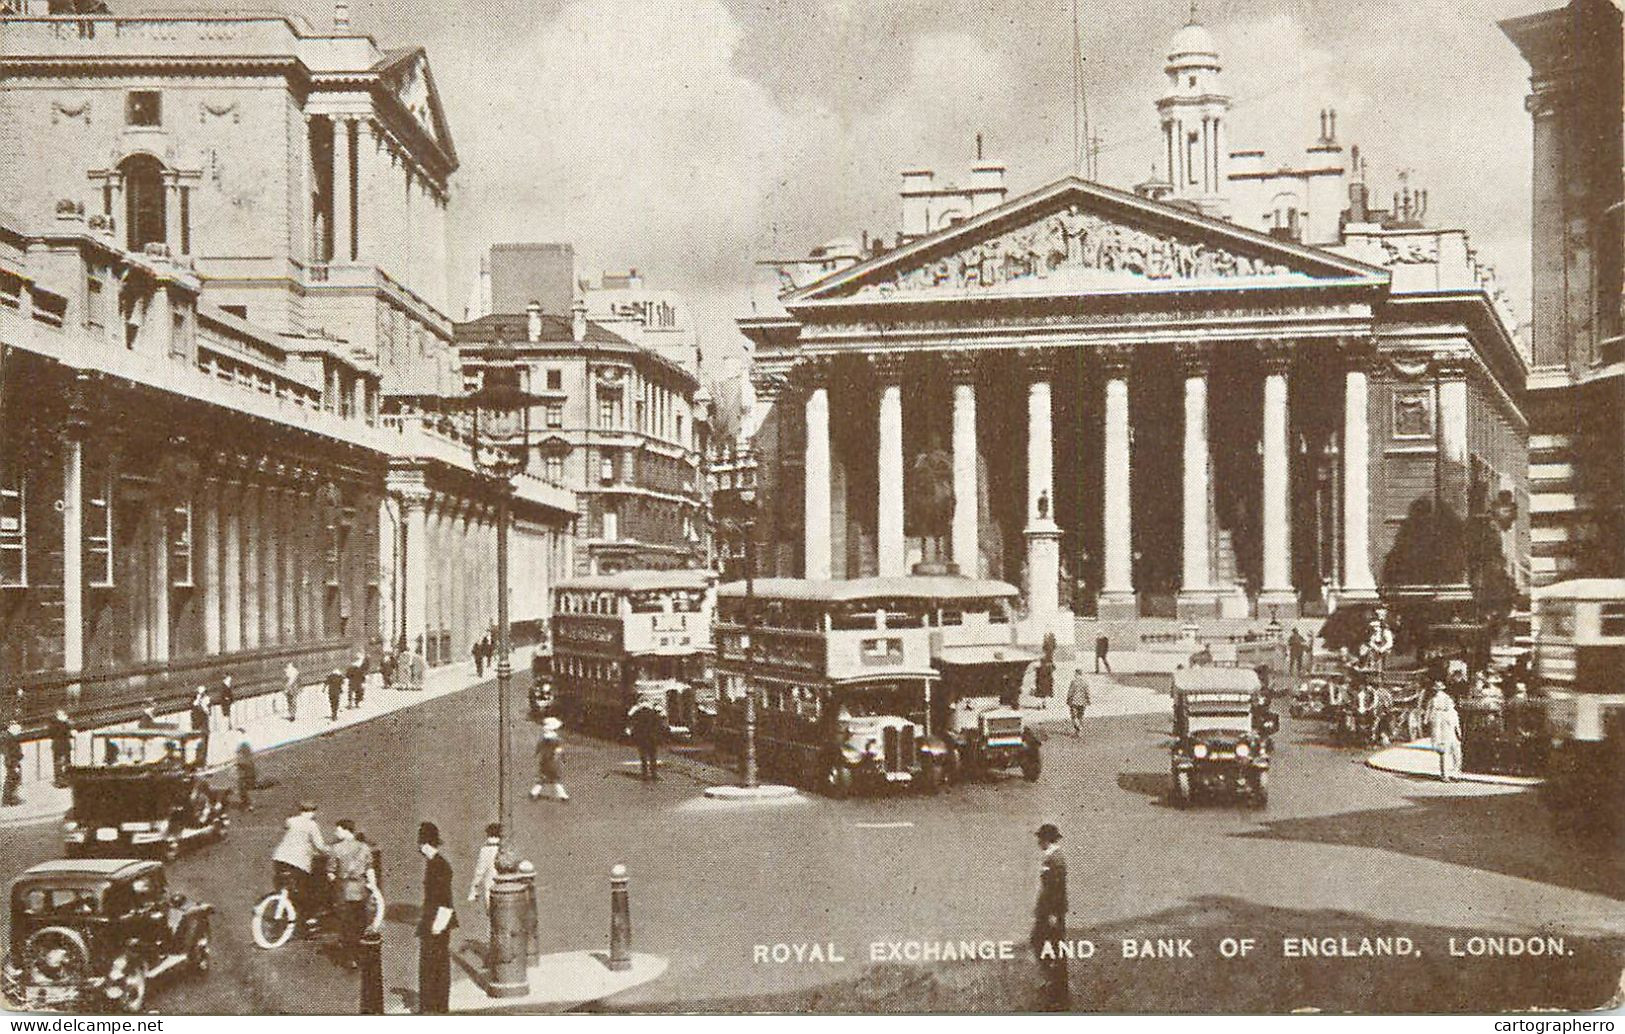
{"x": 94, "y": 934}
{"x": 144, "y": 793}
{"x": 881, "y": 745}
{"x": 971, "y": 707}
{"x": 1222, "y": 734}
{"x": 1322, "y": 690}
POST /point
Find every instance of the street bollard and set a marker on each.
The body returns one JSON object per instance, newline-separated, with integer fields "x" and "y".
{"x": 372, "y": 973}
{"x": 620, "y": 920}
{"x": 508, "y": 956}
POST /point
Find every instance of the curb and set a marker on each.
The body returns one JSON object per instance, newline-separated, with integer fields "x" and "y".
{"x": 1402, "y": 759}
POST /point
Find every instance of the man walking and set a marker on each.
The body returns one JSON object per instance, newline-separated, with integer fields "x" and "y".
{"x": 1103, "y": 649}
{"x": 247, "y": 776}
{"x": 226, "y": 697}
{"x": 1077, "y": 700}
{"x": 1446, "y": 721}
{"x": 290, "y": 690}
{"x": 1049, "y": 920}
{"x": 199, "y": 715}
{"x": 355, "y": 676}
{"x": 477, "y": 651}
{"x": 11, "y": 748}
{"x": 335, "y": 693}
{"x": 549, "y": 766}
{"x": 436, "y": 920}
{"x": 353, "y": 881}
{"x": 61, "y": 746}
{"x": 485, "y": 871}
{"x": 1296, "y": 649}
{"x": 648, "y": 729}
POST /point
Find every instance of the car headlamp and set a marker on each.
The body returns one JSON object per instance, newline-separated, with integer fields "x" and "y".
{"x": 69, "y": 825}
{"x": 1199, "y": 751}
{"x": 1242, "y": 750}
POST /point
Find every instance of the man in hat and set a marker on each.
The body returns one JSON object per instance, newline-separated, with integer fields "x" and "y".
{"x": 61, "y": 746}
{"x": 1049, "y": 919}
{"x": 335, "y": 693}
{"x": 11, "y": 746}
{"x": 549, "y": 767}
{"x": 648, "y": 727}
{"x": 353, "y": 883}
{"x": 485, "y": 869}
{"x": 435, "y": 923}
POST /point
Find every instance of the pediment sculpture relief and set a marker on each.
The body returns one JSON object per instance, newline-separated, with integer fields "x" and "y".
{"x": 1075, "y": 240}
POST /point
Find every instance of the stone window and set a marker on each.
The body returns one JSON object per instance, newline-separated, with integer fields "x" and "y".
{"x": 144, "y": 215}
{"x": 553, "y": 469}
{"x": 143, "y": 108}
{"x": 13, "y": 530}
{"x": 553, "y": 414}
{"x": 555, "y": 380}
{"x": 1413, "y": 414}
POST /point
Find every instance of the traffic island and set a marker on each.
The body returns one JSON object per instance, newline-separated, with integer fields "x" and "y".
{"x": 558, "y": 982}
{"x": 763, "y": 792}
{"x": 1419, "y": 760}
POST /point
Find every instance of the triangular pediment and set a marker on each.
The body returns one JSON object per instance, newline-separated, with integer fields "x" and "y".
{"x": 405, "y": 73}
{"x": 1075, "y": 237}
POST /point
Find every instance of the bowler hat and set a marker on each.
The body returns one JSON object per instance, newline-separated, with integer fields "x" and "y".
{"x": 1048, "y": 833}
{"x": 429, "y": 833}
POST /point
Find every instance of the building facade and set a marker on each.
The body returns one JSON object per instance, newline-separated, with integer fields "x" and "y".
{"x": 619, "y": 426}
{"x": 1132, "y": 408}
{"x": 225, "y": 352}
{"x": 1577, "y": 381}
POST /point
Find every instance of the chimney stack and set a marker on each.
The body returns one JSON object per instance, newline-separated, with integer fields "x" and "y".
{"x": 578, "y": 321}
{"x": 341, "y": 15}
{"x": 533, "y": 321}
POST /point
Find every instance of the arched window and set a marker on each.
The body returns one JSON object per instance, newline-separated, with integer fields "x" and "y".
{"x": 144, "y": 215}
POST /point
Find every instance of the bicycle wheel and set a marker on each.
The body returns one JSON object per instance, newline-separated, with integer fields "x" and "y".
{"x": 274, "y": 920}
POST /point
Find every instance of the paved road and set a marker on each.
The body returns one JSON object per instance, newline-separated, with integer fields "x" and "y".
{"x": 1341, "y": 850}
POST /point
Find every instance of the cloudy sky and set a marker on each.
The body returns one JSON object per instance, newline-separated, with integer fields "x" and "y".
{"x": 688, "y": 137}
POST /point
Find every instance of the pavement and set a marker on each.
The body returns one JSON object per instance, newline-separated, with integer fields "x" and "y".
{"x": 558, "y": 982}
{"x": 260, "y": 721}
{"x": 1419, "y": 759}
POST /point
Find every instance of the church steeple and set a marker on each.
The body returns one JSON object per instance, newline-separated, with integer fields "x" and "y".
{"x": 1194, "y": 109}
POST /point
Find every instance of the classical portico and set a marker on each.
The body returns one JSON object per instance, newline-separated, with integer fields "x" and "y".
{"x": 1122, "y": 395}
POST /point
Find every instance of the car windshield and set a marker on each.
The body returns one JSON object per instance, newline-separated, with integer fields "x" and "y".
{"x": 1234, "y": 723}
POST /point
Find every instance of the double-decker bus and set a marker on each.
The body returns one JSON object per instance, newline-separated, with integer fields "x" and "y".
{"x": 856, "y": 682}
{"x": 1579, "y": 666}
{"x": 630, "y": 636}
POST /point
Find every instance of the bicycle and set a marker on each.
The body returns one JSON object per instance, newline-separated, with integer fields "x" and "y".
{"x": 276, "y": 918}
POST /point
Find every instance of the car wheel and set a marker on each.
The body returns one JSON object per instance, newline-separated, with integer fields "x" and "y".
{"x": 274, "y": 921}
{"x": 56, "y": 955}
{"x": 1182, "y": 788}
{"x": 838, "y": 781}
{"x": 1032, "y": 764}
{"x": 134, "y": 999}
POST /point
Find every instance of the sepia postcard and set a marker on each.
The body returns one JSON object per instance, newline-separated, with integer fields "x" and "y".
{"x": 865, "y": 508}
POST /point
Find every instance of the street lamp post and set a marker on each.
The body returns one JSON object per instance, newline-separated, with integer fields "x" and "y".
{"x": 499, "y": 442}
{"x": 747, "y": 501}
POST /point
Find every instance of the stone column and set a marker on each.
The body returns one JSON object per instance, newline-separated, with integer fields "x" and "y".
{"x": 293, "y": 602}
{"x": 817, "y": 474}
{"x": 207, "y": 560}
{"x": 1358, "y": 583}
{"x": 1196, "y": 582}
{"x": 158, "y": 607}
{"x": 409, "y": 488}
{"x": 172, "y": 213}
{"x": 231, "y": 571}
{"x": 343, "y": 212}
{"x": 966, "y": 550}
{"x": 1117, "y": 600}
{"x": 1043, "y": 535}
{"x": 73, "y": 536}
{"x": 1454, "y": 477}
{"x": 891, "y": 548}
{"x": 270, "y": 567}
{"x": 1277, "y": 598}
{"x": 250, "y": 508}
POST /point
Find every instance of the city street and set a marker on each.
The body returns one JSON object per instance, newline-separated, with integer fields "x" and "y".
{"x": 1342, "y": 852}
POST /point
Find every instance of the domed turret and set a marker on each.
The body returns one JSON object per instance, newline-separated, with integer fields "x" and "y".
{"x": 1193, "y": 42}
{"x": 1194, "y": 110}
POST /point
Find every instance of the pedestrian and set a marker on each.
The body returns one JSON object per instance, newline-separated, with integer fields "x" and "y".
{"x": 247, "y": 778}
{"x": 1044, "y": 678}
{"x": 1297, "y": 648}
{"x": 386, "y": 669}
{"x": 478, "y": 653}
{"x": 293, "y": 862}
{"x": 549, "y": 761}
{"x": 436, "y": 920}
{"x": 353, "y": 883}
{"x": 335, "y": 693}
{"x": 485, "y": 871}
{"x": 1077, "y": 699}
{"x": 1446, "y": 735}
{"x": 199, "y": 715}
{"x": 61, "y": 746}
{"x": 149, "y": 714}
{"x": 648, "y": 729}
{"x": 226, "y": 697}
{"x": 290, "y": 690}
{"x": 11, "y": 748}
{"x": 1103, "y": 650}
{"x": 1049, "y": 920}
{"x": 355, "y": 677}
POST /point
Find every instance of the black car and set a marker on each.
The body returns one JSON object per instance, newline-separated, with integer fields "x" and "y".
{"x": 94, "y": 934}
{"x": 143, "y": 794}
{"x": 1223, "y": 731}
